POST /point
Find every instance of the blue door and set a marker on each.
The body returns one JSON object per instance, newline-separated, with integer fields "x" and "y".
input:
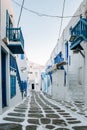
{"x": 3, "y": 68}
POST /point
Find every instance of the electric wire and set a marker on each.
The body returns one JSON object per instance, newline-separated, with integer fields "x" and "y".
{"x": 44, "y": 15}
{"x": 20, "y": 13}
{"x": 61, "y": 19}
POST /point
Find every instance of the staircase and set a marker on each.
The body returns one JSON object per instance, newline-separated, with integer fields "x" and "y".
{"x": 72, "y": 78}
{"x": 75, "y": 90}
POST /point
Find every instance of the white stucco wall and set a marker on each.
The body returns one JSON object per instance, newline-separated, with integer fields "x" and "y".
{"x": 58, "y": 88}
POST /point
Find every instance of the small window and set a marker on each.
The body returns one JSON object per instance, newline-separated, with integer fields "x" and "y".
{"x": 12, "y": 86}
{"x": 66, "y": 50}
{"x": 69, "y": 60}
{"x": 80, "y": 76}
{"x": 30, "y": 72}
{"x": 36, "y": 74}
{"x": 22, "y": 56}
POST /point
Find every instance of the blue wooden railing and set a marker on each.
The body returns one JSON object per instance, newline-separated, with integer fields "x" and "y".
{"x": 80, "y": 29}
{"x": 79, "y": 32}
{"x": 58, "y": 58}
{"x": 15, "y": 34}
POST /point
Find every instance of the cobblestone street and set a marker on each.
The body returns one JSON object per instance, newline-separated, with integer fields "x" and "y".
{"x": 39, "y": 112}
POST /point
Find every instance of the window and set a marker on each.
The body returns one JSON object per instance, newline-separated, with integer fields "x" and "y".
{"x": 36, "y": 74}
{"x": 69, "y": 60}
{"x": 80, "y": 75}
{"x": 22, "y": 56}
{"x": 30, "y": 72}
{"x": 66, "y": 50}
{"x": 12, "y": 86}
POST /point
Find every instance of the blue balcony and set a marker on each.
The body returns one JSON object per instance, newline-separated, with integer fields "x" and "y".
{"x": 58, "y": 58}
{"x": 59, "y": 61}
{"x": 78, "y": 34}
{"x": 16, "y": 41}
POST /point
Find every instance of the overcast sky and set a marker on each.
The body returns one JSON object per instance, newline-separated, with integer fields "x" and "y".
{"x": 41, "y": 33}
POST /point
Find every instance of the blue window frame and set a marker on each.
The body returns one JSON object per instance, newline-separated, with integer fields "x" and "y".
{"x": 66, "y": 51}
{"x": 12, "y": 85}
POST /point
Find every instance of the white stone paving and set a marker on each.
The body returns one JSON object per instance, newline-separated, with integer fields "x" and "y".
{"x": 43, "y": 102}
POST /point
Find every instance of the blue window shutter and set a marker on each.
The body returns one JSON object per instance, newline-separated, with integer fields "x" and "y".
{"x": 12, "y": 86}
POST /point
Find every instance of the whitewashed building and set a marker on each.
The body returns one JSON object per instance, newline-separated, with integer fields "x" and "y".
{"x": 35, "y": 71}
{"x": 68, "y": 60}
{"x": 12, "y": 83}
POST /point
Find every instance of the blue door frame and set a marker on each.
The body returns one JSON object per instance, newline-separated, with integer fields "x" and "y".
{"x": 3, "y": 71}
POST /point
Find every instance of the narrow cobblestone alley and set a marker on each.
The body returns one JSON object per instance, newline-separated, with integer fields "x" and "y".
{"x": 39, "y": 112}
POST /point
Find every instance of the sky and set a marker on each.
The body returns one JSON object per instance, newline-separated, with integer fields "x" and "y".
{"x": 41, "y": 33}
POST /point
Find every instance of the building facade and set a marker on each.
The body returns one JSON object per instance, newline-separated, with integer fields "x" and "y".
{"x": 68, "y": 59}
{"x": 12, "y": 84}
{"x": 35, "y": 71}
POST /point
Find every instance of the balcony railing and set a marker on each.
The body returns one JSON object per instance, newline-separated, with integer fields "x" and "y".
{"x": 80, "y": 28}
{"x": 58, "y": 58}
{"x": 78, "y": 33}
{"x": 15, "y": 35}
